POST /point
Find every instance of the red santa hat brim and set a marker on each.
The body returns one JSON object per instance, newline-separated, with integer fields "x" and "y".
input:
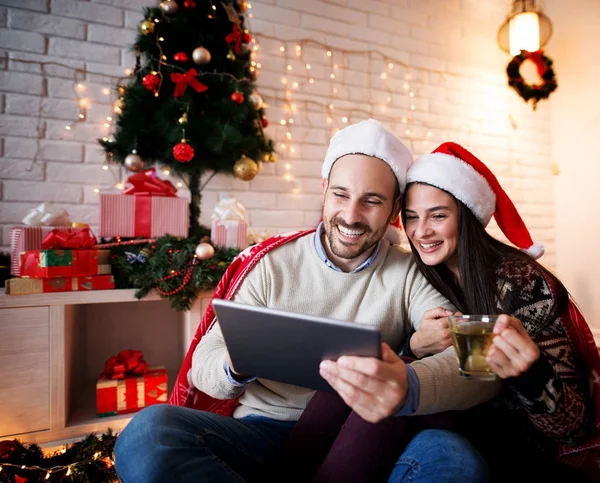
{"x": 454, "y": 169}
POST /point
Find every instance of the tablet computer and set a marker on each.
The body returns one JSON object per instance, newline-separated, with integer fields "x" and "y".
{"x": 288, "y": 347}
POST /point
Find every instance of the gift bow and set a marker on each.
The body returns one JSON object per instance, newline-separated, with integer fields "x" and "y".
{"x": 183, "y": 80}
{"x": 126, "y": 363}
{"x": 72, "y": 239}
{"x": 147, "y": 183}
{"x": 229, "y": 209}
{"x": 237, "y": 36}
{"x": 132, "y": 257}
{"x": 47, "y": 215}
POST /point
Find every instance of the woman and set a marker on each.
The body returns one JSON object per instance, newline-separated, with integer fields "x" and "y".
{"x": 545, "y": 405}
{"x": 543, "y": 349}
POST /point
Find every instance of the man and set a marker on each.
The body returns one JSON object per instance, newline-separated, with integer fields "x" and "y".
{"x": 344, "y": 270}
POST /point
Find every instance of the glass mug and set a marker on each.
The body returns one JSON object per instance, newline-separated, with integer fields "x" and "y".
{"x": 472, "y": 337}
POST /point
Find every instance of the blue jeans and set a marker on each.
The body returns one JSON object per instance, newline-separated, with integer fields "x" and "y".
{"x": 441, "y": 456}
{"x": 164, "y": 443}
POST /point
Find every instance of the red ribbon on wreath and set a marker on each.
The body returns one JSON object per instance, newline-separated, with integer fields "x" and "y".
{"x": 183, "y": 80}
{"x": 238, "y": 37}
{"x": 536, "y": 58}
{"x": 126, "y": 363}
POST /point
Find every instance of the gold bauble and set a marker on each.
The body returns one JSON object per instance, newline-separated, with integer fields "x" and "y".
{"x": 147, "y": 27}
{"x": 200, "y": 55}
{"x": 170, "y": 8}
{"x": 183, "y": 120}
{"x": 134, "y": 162}
{"x": 204, "y": 251}
{"x": 230, "y": 56}
{"x": 243, "y": 5}
{"x": 253, "y": 71}
{"x": 245, "y": 168}
{"x": 256, "y": 101}
{"x": 120, "y": 103}
{"x": 269, "y": 158}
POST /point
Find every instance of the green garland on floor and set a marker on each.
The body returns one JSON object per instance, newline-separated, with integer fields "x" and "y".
{"x": 168, "y": 266}
{"x": 87, "y": 461}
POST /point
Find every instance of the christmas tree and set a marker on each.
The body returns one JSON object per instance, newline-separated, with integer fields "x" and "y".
{"x": 191, "y": 104}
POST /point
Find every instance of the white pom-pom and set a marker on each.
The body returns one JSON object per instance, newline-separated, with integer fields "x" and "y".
{"x": 535, "y": 251}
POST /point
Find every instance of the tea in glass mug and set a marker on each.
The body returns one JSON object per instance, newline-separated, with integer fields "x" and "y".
{"x": 472, "y": 337}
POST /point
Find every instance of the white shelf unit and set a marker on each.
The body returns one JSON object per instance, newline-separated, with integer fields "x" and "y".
{"x": 53, "y": 348}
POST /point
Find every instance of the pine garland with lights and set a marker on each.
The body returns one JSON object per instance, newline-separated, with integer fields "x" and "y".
{"x": 87, "y": 461}
{"x": 191, "y": 103}
{"x": 171, "y": 267}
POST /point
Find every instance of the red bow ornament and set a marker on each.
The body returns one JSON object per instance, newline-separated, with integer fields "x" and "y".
{"x": 126, "y": 363}
{"x": 238, "y": 37}
{"x": 183, "y": 80}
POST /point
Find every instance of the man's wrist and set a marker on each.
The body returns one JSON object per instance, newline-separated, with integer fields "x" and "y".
{"x": 416, "y": 352}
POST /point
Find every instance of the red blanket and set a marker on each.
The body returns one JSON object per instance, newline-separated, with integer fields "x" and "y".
{"x": 184, "y": 393}
{"x": 585, "y": 456}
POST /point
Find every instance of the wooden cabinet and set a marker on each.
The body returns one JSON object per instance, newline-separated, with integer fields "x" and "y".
{"x": 53, "y": 348}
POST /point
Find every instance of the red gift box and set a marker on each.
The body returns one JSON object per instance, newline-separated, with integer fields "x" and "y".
{"x": 26, "y": 286}
{"x": 64, "y": 263}
{"x": 23, "y": 238}
{"x": 149, "y": 208}
{"x": 128, "y": 395}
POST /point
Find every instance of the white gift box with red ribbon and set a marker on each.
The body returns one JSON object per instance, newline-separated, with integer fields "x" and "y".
{"x": 229, "y": 228}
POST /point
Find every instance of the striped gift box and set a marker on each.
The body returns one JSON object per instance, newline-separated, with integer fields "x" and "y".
{"x": 229, "y": 233}
{"x": 143, "y": 216}
{"x": 23, "y": 238}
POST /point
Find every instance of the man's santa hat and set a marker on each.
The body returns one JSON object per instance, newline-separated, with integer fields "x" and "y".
{"x": 372, "y": 139}
{"x": 454, "y": 169}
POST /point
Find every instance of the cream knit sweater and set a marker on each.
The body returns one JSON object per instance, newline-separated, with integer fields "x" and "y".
{"x": 391, "y": 295}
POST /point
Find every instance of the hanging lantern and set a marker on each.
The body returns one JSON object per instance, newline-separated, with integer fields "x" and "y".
{"x": 526, "y": 28}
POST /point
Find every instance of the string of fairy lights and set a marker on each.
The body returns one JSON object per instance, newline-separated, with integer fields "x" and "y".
{"x": 49, "y": 472}
{"x": 318, "y": 83}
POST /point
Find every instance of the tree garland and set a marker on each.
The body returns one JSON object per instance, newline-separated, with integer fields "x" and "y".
{"x": 534, "y": 92}
{"x": 87, "y": 461}
{"x": 168, "y": 265}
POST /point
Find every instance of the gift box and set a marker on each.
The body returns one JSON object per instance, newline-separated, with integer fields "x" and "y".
{"x": 64, "y": 263}
{"x": 148, "y": 208}
{"x": 228, "y": 226}
{"x": 132, "y": 393}
{"x": 26, "y": 286}
{"x": 23, "y": 238}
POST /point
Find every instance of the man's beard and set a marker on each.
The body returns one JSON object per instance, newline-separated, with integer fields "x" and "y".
{"x": 342, "y": 251}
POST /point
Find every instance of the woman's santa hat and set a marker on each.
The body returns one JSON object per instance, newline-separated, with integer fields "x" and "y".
{"x": 454, "y": 169}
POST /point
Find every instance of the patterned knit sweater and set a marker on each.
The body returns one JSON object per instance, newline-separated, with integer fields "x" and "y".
{"x": 547, "y": 405}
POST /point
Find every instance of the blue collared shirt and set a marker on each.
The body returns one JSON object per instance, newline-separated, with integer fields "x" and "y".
{"x": 412, "y": 398}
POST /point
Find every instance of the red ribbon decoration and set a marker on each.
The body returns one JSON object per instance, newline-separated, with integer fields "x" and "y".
{"x": 127, "y": 363}
{"x": 237, "y": 37}
{"x": 72, "y": 239}
{"x": 147, "y": 183}
{"x": 536, "y": 58}
{"x": 183, "y": 80}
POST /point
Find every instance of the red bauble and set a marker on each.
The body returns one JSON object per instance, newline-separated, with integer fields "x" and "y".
{"x": 183, "y": 152}
{"x": 237, "y": 97}
{"x": 181, "y": 57}
{"x": 189, "y": 4}
{"x": 7, "y": 449}
{"x": 151, "y": 82}
{"x": 265, "y": 122}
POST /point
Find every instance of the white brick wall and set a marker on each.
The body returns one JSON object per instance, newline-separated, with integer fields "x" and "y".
{"x": 466, "y": 100}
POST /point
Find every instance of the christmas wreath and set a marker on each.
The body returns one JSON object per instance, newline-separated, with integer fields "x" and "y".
{"x": 534, "y": 92}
